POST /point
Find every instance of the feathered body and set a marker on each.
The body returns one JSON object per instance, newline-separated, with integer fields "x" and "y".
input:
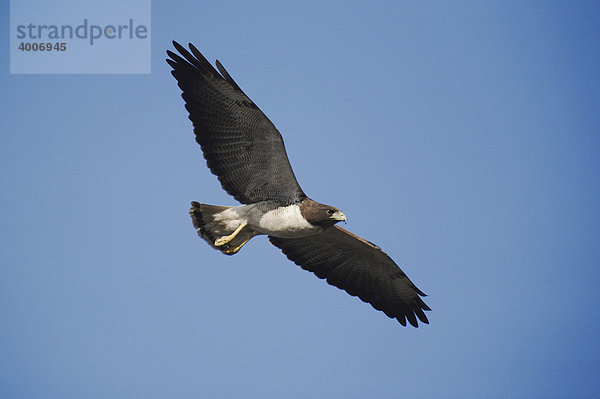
{"x": 246, "y": 152}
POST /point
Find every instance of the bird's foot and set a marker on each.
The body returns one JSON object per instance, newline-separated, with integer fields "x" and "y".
{"x": 227, "y": 239}
{"x": 231, "y": 251}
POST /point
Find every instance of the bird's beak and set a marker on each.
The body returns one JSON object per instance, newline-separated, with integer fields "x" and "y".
{"x": 340, "y": 217}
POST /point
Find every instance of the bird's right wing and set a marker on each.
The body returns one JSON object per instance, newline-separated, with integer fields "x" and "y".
{"x": 360, "y": 268}
{"x": 241, "y": 145}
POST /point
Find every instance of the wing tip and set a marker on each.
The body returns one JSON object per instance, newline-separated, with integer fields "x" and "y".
{"x": 178, "y": 46}
{"x": 412, "y": 318}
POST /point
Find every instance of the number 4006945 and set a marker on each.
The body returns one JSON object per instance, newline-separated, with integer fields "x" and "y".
{"x": 25, "y": 46}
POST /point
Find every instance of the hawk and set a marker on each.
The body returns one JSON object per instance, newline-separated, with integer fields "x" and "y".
{"x": 245, "y": 151}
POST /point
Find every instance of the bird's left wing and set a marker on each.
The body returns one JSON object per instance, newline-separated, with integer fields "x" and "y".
{"x": 360, "y": 268}
{"x": 241, "y": 145}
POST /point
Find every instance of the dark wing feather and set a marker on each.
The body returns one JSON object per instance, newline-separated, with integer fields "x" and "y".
{"x": 360, "y": 268}
{"x": 241, "y": 145}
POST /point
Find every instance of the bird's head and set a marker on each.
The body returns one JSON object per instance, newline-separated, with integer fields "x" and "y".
{"x": 321, "y": 214}
{"x": 334, "y": 214}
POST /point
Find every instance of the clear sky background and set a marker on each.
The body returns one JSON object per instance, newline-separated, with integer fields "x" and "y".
{"x": 461, "y": 137}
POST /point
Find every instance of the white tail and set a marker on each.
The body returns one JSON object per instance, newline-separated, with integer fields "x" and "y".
{"x": 213, "y": 222}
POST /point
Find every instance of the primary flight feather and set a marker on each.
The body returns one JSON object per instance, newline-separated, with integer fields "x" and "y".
{"x": 245, "y": 151}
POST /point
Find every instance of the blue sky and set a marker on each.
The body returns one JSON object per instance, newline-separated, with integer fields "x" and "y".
{"x": 463, "y": 138}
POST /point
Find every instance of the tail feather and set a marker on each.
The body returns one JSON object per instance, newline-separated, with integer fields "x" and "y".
{"x": 212, "y": 222}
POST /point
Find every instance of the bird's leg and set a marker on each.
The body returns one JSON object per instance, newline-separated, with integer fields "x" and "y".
{"x": 231, "y": 251}
{"x": 226, "y": 239}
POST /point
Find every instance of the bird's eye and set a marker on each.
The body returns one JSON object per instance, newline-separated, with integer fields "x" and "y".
{"x": 330, "y": 211}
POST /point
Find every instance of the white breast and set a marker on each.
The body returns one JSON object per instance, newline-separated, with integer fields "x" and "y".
{"x": 283, "y": 222}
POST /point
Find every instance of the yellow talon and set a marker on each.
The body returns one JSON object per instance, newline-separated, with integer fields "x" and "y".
{"x": 227, "y": 239}
{"x": 231, "y": 251}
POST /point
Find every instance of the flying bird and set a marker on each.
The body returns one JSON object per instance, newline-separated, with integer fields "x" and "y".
{"x": 245, "y": 151}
